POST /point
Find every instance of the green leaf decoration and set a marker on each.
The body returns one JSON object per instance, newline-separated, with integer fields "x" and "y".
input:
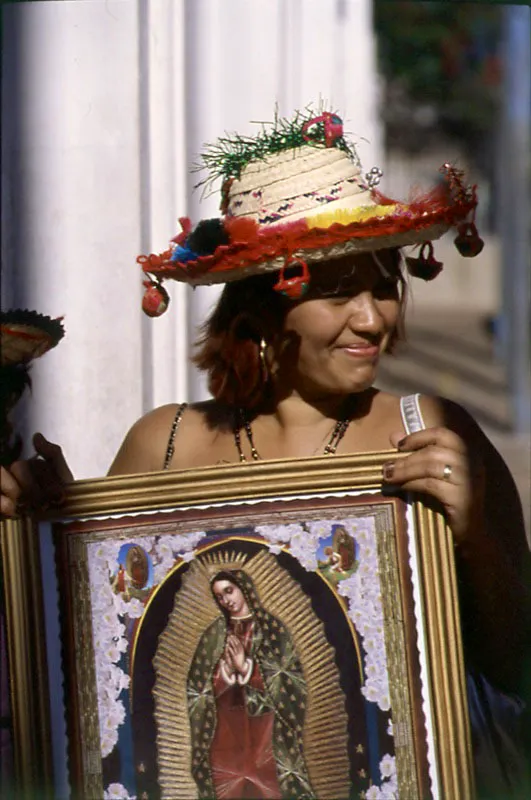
{"x": 227, "y": 157}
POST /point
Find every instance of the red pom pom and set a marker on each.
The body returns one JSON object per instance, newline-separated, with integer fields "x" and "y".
{"x": 156, "y": 299}
{"x": 241, "y": 230}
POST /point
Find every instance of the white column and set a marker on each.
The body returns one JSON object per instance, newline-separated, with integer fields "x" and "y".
{"x": 163, "y": 164}
{"x": 73, "y": 216}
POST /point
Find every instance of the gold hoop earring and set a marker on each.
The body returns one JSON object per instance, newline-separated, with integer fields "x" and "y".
{"x": 264, "y": 366}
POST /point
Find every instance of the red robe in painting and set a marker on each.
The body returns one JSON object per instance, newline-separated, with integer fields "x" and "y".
{"x": 241, "y": 753}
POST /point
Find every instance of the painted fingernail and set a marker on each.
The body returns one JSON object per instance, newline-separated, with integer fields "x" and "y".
{"x": 388, "y": 470}
{"x": 58, "y": 497}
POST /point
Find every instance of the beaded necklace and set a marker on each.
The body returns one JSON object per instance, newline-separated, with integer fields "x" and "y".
{"x": 242, "y": 422}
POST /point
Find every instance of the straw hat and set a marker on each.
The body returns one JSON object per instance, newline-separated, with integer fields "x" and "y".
{"x": 296, "y": 195}
{"x": 26, "y": 335}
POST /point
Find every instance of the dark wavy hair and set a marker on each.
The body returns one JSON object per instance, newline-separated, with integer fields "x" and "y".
{"x": 243, "y": 582}
{"x": 228, "y": 348}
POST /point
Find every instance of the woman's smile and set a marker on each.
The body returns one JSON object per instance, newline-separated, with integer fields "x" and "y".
{"x": 360, "y": 350}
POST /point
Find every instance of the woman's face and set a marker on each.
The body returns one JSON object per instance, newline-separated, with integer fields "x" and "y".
{"x": 334, "y": 337}
{"x": 231, "y": 598}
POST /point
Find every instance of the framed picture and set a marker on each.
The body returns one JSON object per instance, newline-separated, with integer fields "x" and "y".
{"x": 278, "y": 629}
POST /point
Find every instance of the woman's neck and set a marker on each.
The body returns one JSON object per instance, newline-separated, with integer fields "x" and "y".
{"x": 297, "y": 411}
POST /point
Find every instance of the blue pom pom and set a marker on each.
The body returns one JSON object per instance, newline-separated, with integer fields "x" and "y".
{"x": 183, "y": 254}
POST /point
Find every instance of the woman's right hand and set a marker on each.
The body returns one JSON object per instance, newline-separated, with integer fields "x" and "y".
{"x": 35, "y": 484}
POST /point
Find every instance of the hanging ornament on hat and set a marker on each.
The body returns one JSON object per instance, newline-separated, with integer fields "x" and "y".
{"x": 425, "y": 266}
{"x": 373, "y": 177}
{"x": 468, "y": 241}
{"x": 332, "y": 124}
{"x": 156, "y": 299}
{"x": 296, "y": 286}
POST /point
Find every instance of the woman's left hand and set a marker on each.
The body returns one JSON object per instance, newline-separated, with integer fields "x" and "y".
{"x": 439, "y": 465}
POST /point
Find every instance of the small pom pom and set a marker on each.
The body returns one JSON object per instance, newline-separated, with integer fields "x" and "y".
{"x": 182, "y": 254}
{"x": 241, "y": 230}
{"x": 156, "y": 299}
{"x": 207, "y": 236}
{"x": 468, "y": 241}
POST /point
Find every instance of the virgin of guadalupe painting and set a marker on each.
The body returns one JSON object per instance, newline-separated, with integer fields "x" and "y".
{"x": 246, "y": 704}
{"x": 253, "y": 710}
{"x": 259, "y": 656}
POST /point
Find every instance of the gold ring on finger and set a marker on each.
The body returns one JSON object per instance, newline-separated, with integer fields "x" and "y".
{"x": 447, "y": 472}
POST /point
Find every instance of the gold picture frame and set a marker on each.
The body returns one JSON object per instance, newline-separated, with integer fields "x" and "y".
{"x": 112, "y": 610}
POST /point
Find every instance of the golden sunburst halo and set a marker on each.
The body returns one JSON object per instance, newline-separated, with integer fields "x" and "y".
{"x": 325, "y": 734}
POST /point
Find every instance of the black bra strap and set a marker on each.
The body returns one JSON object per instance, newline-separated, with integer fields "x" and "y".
{"x": 171, "y": 441}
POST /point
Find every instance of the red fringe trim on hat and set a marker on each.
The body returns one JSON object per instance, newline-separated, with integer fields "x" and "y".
{"x": 253, "y": 244}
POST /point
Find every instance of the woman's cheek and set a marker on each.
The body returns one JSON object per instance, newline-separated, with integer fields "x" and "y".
{"x": 390, "y": 312}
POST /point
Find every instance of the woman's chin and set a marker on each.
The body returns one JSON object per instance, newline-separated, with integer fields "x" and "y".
{"x": 353, "y": 384}
{"x": 337, "y": 382}
{"x": 341, "y": 388}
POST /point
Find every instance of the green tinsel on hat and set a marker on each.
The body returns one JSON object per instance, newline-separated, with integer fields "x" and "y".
{"x": 229, "y": 155}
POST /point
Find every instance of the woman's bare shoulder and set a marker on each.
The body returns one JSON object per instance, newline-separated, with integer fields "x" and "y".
{"x": 436, "y": 412}
{"x": 145, "y": 445}
{"x": 441, "y": 412}
{"x": 433, "y": 409}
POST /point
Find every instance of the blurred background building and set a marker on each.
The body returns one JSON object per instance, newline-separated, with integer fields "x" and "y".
{"x": 456, "y": 86}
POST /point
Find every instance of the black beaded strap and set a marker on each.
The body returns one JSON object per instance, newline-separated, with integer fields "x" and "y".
{"x": 171, "y": 441}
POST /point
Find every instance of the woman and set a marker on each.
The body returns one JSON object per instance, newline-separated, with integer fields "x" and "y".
{"x": 247, "y": 677}
{"x": 315, "y": 294}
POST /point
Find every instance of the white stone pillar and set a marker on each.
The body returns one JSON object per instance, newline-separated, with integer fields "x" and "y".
{"x": 164, "y": 196}
{"x": 73, "y": 213}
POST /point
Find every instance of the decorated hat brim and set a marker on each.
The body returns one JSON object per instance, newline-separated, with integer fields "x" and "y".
{"x": 26, "y": 335}
{"x": 254, "y": 249}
